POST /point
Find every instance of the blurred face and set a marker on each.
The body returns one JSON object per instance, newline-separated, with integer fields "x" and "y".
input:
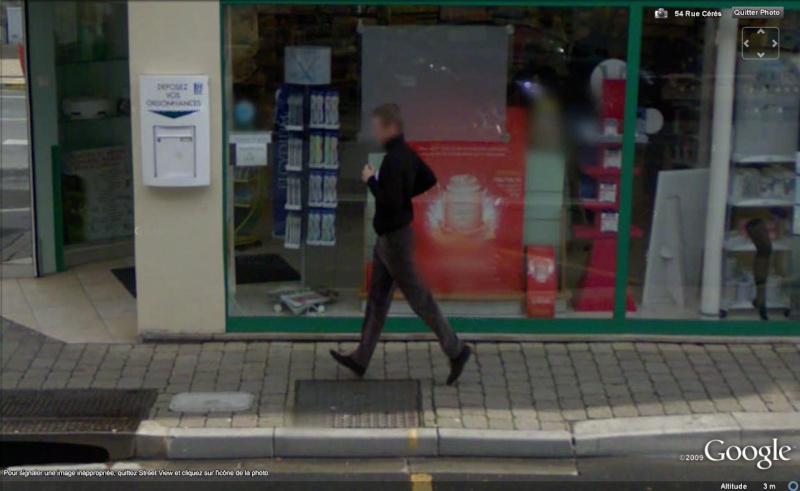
{"x": 383, "y": 132}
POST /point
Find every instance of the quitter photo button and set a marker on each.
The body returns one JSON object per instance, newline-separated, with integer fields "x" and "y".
{"x": 758, "y": 12}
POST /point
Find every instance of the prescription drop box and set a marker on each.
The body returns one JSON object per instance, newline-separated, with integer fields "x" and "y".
{"x": 174, "y": 115}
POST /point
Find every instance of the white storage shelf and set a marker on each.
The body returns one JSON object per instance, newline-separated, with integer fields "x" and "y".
{"x": 761, "y": 202}
{"x": 738, "y": 243}
{"x": 781, "y": 304}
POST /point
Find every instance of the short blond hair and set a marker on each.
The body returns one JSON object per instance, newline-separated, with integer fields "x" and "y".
{"x": 389, "y": 114}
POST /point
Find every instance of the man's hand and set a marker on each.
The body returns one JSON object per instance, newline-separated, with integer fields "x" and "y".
{"x": 367, "y": 172}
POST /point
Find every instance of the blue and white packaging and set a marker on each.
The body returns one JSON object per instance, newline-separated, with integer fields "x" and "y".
{"x": 294, "y": 192}
{"x": 328, "y": 228}
{"x": 316, "y": 149}
{"x": 295, "y": 111}
{"x": 314, "y": 231}
{"x": 293, "y": 231}
{"x": 330, "y": 194}
{"x": 331, "y": 150}
{"x": 316, "y": 191}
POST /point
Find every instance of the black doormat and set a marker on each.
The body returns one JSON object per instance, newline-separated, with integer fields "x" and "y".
{"x": 250, "y": 268}
{"x": 126, "y": 276}
{"x": 357, "y": 404}
{"x": 263, "y": 268}
{"x": 73, "y": 410}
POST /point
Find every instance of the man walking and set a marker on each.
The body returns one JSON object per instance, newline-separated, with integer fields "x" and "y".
{"x": 403, "y": 175}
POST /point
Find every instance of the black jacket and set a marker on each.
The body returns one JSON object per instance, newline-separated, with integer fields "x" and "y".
{"x": 403, "y": 175}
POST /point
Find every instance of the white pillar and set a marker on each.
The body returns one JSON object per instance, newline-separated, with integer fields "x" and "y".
{"x": 180, "y": 273}
{"x": 721, "y": 134}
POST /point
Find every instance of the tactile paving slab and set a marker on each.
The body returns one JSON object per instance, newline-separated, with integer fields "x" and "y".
{"x": 357, "y": 404}
{"x": 73, "y": 410}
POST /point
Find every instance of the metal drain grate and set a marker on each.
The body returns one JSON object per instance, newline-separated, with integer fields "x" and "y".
{"x": 357, "y": 404}
{"x": 64, "y": 411}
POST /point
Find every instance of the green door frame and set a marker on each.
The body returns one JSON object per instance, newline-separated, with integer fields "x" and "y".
{"x": 40, "y": 48}
{"x": 619, "y": 323}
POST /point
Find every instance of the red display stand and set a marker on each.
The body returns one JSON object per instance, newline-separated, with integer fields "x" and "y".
{"x": 596, "y": 288}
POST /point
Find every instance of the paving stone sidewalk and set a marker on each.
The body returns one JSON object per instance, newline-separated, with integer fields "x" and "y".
{"x": 523, "y": 386}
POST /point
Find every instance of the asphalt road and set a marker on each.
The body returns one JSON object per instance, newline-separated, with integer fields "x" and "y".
{"x": 15, "y": 195}
{"x": 655, "y": 474}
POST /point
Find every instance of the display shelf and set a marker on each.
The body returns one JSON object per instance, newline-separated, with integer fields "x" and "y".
{"x": 765, "y": 159}
{"x": 599, "y": 172}
{"x": 761, "y": 202}
{"x": 616, "y": 139}
{"x": 595, "y": 205}
{"x": 589, "y": 232}
{"x": 740, "y": 243}
{"x": 784, "y": 304}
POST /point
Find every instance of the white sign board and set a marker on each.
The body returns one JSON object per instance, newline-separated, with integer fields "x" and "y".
{"x": 250, "y": 149}
{"x": 450, "y": 81}
{"x": 307, "y": 65}
{"x": 174, "y": 115}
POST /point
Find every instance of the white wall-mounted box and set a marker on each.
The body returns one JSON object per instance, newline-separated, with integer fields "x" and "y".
{"x": 175, "y": 152}
{"x": 174, "y": 114}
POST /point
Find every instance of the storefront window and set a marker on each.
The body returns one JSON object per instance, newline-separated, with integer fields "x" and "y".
{"x": 716, "y": 190}
{"x": 94, "y": 128}
{"x": 518, "y": 110}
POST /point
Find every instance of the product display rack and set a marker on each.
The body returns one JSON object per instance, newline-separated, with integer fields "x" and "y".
{"x": 307, "y": 124}
{"x": 747, "y": 196}
{"x": 596, "y": 287}
{"x": 763, "y": 189}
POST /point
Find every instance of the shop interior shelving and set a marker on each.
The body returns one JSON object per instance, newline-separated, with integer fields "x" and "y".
{"x": 738, "y": 244}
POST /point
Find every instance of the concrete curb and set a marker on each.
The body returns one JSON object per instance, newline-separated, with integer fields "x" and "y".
{"x": 653, "y": 435}
{"x": 355, "y": 442}
{"x": 504, "y": 443}
{"x": 619, "y": 437}
{"x": 783, "y": 426}
{"x": 220, "y": 443}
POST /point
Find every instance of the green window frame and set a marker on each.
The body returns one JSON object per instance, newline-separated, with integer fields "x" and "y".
{"x": 619, "y": 323}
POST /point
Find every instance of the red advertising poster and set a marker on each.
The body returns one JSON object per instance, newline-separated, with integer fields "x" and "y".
{"x": 469, "y": 227}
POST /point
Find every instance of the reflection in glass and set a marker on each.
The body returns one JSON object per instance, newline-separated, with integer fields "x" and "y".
{"x": 518, "y": 111}
{"x": 719, "y": 187}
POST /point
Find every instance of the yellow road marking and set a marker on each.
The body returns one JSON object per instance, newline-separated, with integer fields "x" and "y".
{"x": 421, "y": 482}
{"x": 413, "y": 439}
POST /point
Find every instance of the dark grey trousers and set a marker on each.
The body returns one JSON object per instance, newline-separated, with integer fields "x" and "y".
{"x": 392, "y": 268}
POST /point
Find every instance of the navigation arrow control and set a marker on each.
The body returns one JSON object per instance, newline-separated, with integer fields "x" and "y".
{"x": 760, "y": 43}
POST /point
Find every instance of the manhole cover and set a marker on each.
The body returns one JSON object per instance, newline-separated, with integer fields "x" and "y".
{"x": 64, "y": 411}
{"x": 357, "y": 404}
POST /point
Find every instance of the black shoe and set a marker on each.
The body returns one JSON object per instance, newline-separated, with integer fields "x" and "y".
{"x": 349, "y": 362}
{"x": 457, "y": 365}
